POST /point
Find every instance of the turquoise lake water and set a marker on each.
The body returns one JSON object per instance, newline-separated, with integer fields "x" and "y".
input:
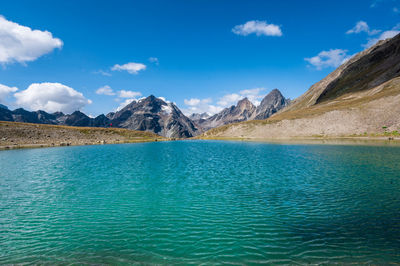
{"x": 194, "y": 202}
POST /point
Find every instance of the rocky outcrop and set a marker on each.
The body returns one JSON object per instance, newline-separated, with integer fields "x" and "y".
{"x": 155, "y": 115}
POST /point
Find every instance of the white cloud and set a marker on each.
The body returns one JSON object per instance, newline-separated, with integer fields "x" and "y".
{"x": 5, "y": 91}
{"x": 195, "y": 105}
{"x": 22, "y": 44}
{"x": 194, "y": 101}
{"x": 131, "y": 68}
{"x": 125, "y": 103}
{"x": 257, "y": 27}
{"x": 105, "y": 90}
{"x": 229, "y": 99}
{"x": 331, "y": 58}
{"x": 253, "y": 95}
{"x": 154, "y": 60}
{"x": 51, "y": 97}
{"x": 362, "y": 26}
{"x": 128, "y": 94}
{"x": 384, "y": 35}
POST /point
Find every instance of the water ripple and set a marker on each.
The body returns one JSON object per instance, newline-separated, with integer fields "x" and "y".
{"x": 201, "y": 203}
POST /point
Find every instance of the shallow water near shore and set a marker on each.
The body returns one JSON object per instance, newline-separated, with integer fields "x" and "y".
{"x": 193, "y": 202}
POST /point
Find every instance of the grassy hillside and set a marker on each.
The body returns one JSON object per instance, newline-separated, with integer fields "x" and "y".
{"x": 19, "y": 135}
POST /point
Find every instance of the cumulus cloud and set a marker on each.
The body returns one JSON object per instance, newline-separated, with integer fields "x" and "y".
{"x": 257, "y": 27}
{"x": 331, "y": 58}
{"x": 5, "y": 91}
{"x": 22, "y": 44}
{"x": 51, "y": 97}
{"x": 105, "y": 90}
{"x": 128, "y": 94}
{"x": 131, "y": 68}
{"x": 195, "y": 105}
{"x": 362, "y": 26}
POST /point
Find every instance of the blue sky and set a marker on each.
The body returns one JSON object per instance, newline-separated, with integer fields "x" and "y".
{"x": 199, "y": 54}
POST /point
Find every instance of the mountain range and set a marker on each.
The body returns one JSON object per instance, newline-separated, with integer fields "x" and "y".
{"x": 243, "y": 111}
{"x": 155, "y": 115}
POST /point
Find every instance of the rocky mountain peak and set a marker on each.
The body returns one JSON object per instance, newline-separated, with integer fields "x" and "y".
{"x": 245, "y": 104}
{"x": 155, "y": 115}
{"x": 272, "y": 103}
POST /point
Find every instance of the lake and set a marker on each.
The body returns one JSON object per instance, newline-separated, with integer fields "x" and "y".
{"x": 194, "y": 202}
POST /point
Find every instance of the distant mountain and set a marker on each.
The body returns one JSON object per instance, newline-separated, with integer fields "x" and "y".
{"x": 244, "y": 110}
{"x": 271, "y": 104}
{"x": 155, "y": 115}
{"x": 3, "y": 106}
{"x": 196, "y": 117}
{"x": 236, "y": 113}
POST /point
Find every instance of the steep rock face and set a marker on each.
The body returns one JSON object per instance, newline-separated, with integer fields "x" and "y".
{"x": 236, "y": 113}
{"x": 155, "y": 115}
{"x": 271, "y": 104}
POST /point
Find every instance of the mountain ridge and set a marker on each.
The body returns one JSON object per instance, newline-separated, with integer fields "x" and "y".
{"x": 150, "y": 114}
{"x": 244, "y": 110}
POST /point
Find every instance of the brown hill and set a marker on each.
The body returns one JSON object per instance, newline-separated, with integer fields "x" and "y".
{"x": 20, "y": 135}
